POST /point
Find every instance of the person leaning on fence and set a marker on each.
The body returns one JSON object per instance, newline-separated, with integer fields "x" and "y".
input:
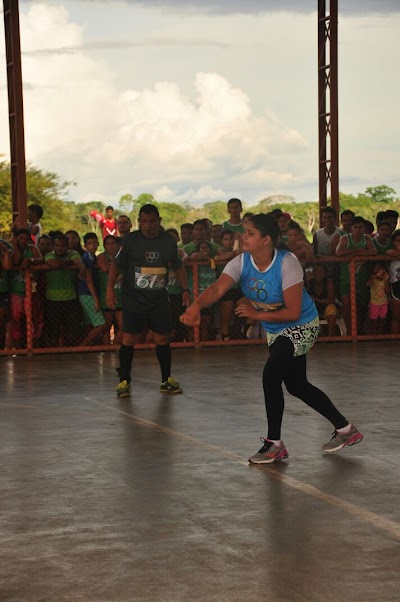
{"x": 346, "y": 219}
{"x": 24, "y": 255}
{"x": 113, "y": 316}
{"x": 88, "y": 292}
{"x": 378, "y": 284}
{"x": 394, "y": 274}
{"x": 272, "y": 281}
{"x": 298, "y": 244}
{"x": 322, "y": 237}
{"x": 186, "y": 234}
{"x": 227, "y": 302}
{"x": 74, "y": 242}
{"x": 199, "y": 234}
{"x": 355, "y": 244}
{"x": 321, "y": 289}
{"x": 144, "y": 258}
{"x": 382, "y": 241}
{"x": 63, "y": 311}
{"x": 392, "y": 216}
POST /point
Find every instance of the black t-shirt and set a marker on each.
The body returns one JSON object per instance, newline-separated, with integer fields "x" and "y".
{"x": 145, "y": 263}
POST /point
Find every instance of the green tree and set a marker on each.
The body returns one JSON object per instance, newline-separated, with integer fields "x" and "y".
{"x": 381, "y": 194}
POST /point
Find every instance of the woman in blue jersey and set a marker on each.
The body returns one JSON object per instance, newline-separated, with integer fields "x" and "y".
{"x": 272, "y": 281}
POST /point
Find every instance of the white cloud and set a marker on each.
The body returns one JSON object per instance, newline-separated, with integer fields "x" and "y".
{"x": 235, "y": 117}
{"x": 79, "y": 124}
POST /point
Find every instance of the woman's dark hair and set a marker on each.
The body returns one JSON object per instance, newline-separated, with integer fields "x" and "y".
{"x": 202, "y": 242}
{"x": 79, "y": 250}
{"x": 267, "y": 226}
{"x": 295, "y": 226}
{"x": 395, "y": 234}
{"x": 116, "y": 238}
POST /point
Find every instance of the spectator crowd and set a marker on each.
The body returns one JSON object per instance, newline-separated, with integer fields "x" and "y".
{"x": 69, "y": 277}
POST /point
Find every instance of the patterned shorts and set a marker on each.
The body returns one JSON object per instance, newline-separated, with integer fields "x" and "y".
{"x": 303, "y": 336}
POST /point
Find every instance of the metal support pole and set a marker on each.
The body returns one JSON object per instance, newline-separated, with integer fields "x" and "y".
{"x": 328, "y": 127}
{"x": 15, "y": 111}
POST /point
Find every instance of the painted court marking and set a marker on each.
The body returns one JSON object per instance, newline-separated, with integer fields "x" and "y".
{"x": 387, "y": 525}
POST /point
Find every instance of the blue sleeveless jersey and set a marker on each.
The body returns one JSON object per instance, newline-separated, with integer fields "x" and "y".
{"x": 264, "y": 290}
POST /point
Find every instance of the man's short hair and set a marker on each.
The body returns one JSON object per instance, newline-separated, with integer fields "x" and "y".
{"x": 234, "y": 200}
{"x": 347, "y": 212}
{"x": 330, "y": 210}
{"x": 392, "y": 213}
{"x": 88, "y": 236}
{"x": 198, "y": 221}
{"x": 149, "y": 208}
{"x": 187, "y": 225}
{"x": 109, "y": 207}
{"x": 358, "y": 219}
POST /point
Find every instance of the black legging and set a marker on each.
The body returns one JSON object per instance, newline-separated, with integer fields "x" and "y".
{"x": 283, "y": 367}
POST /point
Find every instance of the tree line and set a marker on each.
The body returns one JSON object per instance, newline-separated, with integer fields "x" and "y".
{"x": 51, "y": 192}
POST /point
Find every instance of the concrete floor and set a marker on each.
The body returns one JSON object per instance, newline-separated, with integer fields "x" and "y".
{"x": 153, "y": 499}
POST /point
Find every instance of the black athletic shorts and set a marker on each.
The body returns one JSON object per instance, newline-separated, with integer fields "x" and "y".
{"x": 157, "y": 321}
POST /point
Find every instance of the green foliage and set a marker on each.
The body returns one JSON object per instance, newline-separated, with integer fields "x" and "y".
{"x": 49, "y": 191}
{"x": 381, "y": 194}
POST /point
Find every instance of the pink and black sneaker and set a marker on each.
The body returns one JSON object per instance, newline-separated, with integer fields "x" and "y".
{"x": 340, "y": 440}
{"x": 269, "y": 453}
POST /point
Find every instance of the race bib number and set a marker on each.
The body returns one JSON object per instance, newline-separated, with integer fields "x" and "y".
{"x": 150, "y": 278}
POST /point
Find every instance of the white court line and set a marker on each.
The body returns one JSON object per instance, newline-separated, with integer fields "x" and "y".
{"x": 387, "y": 525}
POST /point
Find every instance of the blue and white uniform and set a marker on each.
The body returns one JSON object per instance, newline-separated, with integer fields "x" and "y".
{"x": 265, "y": 290}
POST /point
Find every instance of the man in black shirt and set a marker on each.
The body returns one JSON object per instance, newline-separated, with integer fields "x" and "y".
{"x": 144, "y": 259}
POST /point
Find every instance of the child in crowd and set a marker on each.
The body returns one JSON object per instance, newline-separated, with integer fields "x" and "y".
{"x": 199, "y": 234}
{"x": 355, "y": 244}
{"x": 216, "y": 232}
{"x": 175, "y": 295}
{"x": 227, "y": 302}
{"x": 88, "y": 291}
{"x": 322, "y": 238}
{"x": 321, "y": 289}
{"x": 378, "y": 284}
{"x": 234, "y": 222}
{"x": 45, "y": 244}
{"x": 24, "y": 254}
{"x": 109, "y": 225}
{"x": 35, "y": 214}
{"x": 346, "y": 219}
{"x": 382, "y": 240}
{"x": 394, "y": 272}
{"x": 207, "y": 275}
{"x": 113, "y": 316}
{"x": 186, "y": 235}
{"x": 284, "y": 220}
{"x": 63, "y": 310}
{"x": 5, "y": 266}
{"x": 298, "y": 244}
{"x": 392, "y": 217}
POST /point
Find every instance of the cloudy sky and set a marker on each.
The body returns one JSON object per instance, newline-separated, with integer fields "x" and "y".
{"x": 206, "y": 102}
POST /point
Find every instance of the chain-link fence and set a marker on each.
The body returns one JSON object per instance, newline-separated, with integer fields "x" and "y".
{"x": 41, "y": 312}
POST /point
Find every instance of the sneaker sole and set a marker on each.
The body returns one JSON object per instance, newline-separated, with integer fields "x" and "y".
{"x": 171, "y": 392}
{"x": 123, "y": 395}
{"x": 356, "y": 439}
{"x": 269, "y": 460}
